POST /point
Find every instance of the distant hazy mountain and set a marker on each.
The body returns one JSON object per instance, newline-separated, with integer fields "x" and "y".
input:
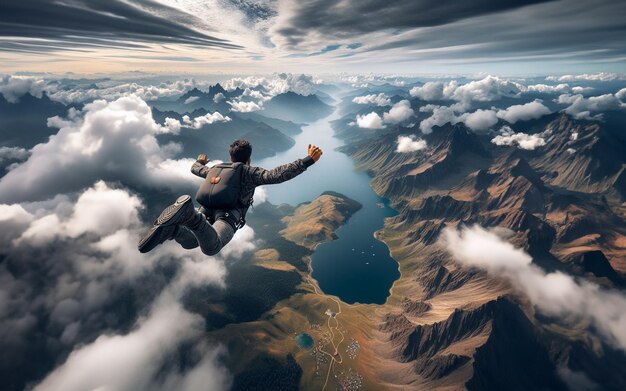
{"x": 287, "y": 127}
{"x": 297, "y": 108}
{"x": 214, "y": 139}
{"x": 196, "y": 99}
{"x": 24, "y": 124}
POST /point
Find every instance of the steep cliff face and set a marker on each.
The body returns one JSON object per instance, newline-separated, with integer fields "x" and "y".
{"x": 583, "y": 156}
{"x": 459, "y": 328}
{"x": 453, "y": 151}
{"x": 514, "y": 357}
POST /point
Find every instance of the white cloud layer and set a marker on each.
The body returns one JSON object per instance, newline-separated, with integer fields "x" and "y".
{"x": 399, "y": 112}
{"x": 112, "y": 90}
{"x": 555, "y": 294}
{"x": 525, "y": 112}
{"x": 12, "y": 88}
{"x": 522, "y": 140}
{"x": 370, "y": 121}
{"x": 487, "y": 89}
{"x": 13, "y": 153}
{"x": 379, "y": 100}
{"x": 87, "y": 260}
{"x": 600, "y": 76}
{"x": 591, "y": 108}
{"x": 132, "y": 361}
{"x": 207, "y": 119}
{"x": 410, "y": 143}
{"x": 440, "y": 116}
{"x": 113, "y": 141}
{"x": 244, "y": 107}
{"x": 277, "y": 83}
{"x": 548, "y": 89}
{"x": 480, "y": 120}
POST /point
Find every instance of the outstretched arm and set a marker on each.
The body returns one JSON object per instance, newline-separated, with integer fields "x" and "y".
{"x": 280, "y": 174}
{"x": 199, "y": 168}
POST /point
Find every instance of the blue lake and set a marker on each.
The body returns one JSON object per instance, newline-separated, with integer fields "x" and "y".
{"x": 305, "y": 341}
{"x": 356, "y": 267}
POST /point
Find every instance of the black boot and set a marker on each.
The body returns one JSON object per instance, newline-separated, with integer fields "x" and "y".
{"x": 165, "y": 226}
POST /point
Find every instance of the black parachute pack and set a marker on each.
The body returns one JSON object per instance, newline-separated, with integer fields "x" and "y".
{"x": 222, "y": 187}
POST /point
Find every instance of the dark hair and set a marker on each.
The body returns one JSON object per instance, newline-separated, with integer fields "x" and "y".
{"x": 240, "y": 151}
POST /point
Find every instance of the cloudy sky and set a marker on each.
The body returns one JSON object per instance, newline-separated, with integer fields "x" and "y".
{"x": 409, "y": 37}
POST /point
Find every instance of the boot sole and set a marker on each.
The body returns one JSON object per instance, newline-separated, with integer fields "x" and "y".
{"x": 166, "y": 221}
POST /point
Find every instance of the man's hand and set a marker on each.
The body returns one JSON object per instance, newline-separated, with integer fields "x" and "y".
{"x": 202, "y": 158}
{"x": 315, "y": 152}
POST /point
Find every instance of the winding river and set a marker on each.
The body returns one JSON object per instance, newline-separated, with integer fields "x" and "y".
{"x": 356, "y": 267}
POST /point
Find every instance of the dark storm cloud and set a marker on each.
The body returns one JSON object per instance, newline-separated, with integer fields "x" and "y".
{"x": 458, "y": 32}
{"x": 562, "y": 29}
{"x": 98, "y": 23}
{"x": 354, "y": 17}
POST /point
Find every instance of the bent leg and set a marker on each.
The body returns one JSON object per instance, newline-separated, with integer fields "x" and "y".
{"x": 225, "y": 232}
{"x": 211, "y": 238}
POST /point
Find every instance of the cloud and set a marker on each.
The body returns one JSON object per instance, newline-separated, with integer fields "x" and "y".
{"x": 108, "y": 23}
{"x": 583, "y": 108}
{"x": 370, "y": 121}
{"x": 217, "y": 98}
{"x": 410, "y": 143}
{"x": 244, "y": 107}
{"x": 72, "y": 282}
{"x": 548, "y": 89}
{"x": 488, "y": 89}
{"x": 300, "y": 24}
{"x": 470, "y": 43}
{"x": 582, "y": 90}
{"x": 133, "y": 361}
{"x": 113, "y": 141}
{"x": 173, "y": 125}
{"x": 13, "y": 154}
{"x": 600, "y": 76}
{"x": 99, "y": 210}
{"x": 399, "y": 112}
{"x": 207, "y": 119}
{"x": 430, "y": 91}
{"x": 14, "y": 220}
{"x": 555, "y": 294}
{"x": 254, "y": 94}
{"x": 75, "y": 92}
{"x": 379, "y": 100}
{"x": 480, "y": 120}
{"x": 68, "y": 91}
{"x": 12, "y": 88}
{"x": 260, "y": 195}
{"x": 191, "y": 99}
{"x": 522, "y": 140}
{"x": 242, "y": 242}
{"x": 485, "y": 90}
{"x": 525, "y": 112}
{"x": 277, "y": 83}
{"x": 441, "y": 115}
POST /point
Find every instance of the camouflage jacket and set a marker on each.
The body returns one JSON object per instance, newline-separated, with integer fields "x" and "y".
{"x": 253, "y": 177}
